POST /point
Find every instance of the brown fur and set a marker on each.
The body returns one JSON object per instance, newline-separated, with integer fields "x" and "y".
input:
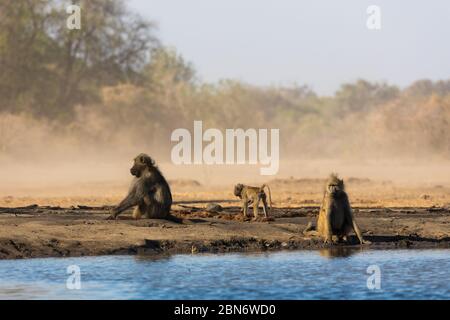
{"x": 149, "y": 192}
{"x": 253, "y": 195}
{"x": 335, "y": 216}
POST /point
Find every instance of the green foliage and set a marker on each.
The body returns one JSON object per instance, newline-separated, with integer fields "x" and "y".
{"x": 47, "y": 69}
{"x": 363, "y": 95}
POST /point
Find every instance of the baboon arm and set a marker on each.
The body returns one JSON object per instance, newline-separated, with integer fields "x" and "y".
{"x": 350, "y": 219}
{"x": 328, "y": 228}
{"x": 127, "y": 203}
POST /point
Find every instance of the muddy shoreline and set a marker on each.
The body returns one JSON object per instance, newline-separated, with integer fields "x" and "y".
{"x": 32, "y": 232}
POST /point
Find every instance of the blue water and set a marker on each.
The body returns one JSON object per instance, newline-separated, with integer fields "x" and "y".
{"x": 405, "y": 274}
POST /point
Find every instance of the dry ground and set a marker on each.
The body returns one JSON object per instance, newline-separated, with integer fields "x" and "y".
{"x": 390, "y": 216}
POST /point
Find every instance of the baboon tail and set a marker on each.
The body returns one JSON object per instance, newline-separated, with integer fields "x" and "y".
{"x": 270, "y": 195}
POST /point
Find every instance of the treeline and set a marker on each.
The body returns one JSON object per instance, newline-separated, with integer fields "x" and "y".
{"x": 112, "y": 84}
{"x": 47, "y": 69}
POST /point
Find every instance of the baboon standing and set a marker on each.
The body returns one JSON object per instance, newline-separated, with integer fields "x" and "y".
{"x": 149, "y": 192}
{"x": 253, "y": 195}
{"x": 335, "y": 216}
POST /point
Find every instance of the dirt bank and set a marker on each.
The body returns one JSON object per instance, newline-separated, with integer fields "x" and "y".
{"x": 81, "y": 231}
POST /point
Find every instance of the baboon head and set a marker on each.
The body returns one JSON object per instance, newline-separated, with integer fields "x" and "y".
{"x": 335, "y": 185}
{"x": 141, "y": 162}
{"x": 238, "y": 189}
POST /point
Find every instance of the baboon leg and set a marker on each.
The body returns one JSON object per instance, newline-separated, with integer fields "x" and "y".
{"x": 151, "y": 213}
{"x": 249, "y": 203}
{"x": 147, "y": 200}
{"x": 245, "y": 207}
{"x": 255, "y": 208}
{"x": 137, "y": 214}
{"x": 142, "y": 209}
{"x": 265, "y": 208}
{"x": 146, "y": 206}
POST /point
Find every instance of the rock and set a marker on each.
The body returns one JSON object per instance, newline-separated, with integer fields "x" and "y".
{"x": 214, "y": 207}
{"x": 425, "y": 197}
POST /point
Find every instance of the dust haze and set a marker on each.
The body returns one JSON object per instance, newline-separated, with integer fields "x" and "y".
{"x": 76, "y": 107}
{"x": 404, "y": 140}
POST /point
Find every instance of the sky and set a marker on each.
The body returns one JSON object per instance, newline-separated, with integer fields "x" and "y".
{"x": 320, "y": 43}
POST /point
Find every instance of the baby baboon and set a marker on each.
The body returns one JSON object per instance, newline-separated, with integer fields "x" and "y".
{"x": 335, "y": 216}
{"x": 253, "y": 195}
{"x": 149, "y": 191}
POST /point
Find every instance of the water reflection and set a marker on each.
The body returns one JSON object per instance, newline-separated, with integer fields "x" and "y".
{"x": 339, "y": 251}
{"x": 145, "y": 258}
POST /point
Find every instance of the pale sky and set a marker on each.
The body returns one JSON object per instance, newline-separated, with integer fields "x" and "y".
{"x": 321, "y": 43}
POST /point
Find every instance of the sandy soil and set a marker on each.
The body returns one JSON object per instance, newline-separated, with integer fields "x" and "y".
{"x": 391, "y": 216}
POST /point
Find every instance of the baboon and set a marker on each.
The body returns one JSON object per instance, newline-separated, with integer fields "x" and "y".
{"x": 149, "y": 192}
{"x": 253, "y": 195}
{"x": 335, "y": 216}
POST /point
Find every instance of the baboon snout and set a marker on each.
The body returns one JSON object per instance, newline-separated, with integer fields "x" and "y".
{"x": 134, "y": 171}
{"x": 333, "y": 189}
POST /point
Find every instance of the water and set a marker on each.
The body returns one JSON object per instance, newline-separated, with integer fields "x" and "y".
{"x": 337, "y": 274}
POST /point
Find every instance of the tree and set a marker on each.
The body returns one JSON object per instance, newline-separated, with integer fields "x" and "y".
{"x": 25, "y": 62}
{"x": 170, "y": 80}
{"x": 48, "y": 68}
{"x": 362, "y": 96}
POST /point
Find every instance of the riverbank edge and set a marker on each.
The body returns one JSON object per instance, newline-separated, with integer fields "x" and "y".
{"x": 12, "y": 249}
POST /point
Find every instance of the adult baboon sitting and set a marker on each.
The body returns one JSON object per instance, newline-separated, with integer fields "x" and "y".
{"x": 335, "y": 216}
{"x": 149, "y": 192}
